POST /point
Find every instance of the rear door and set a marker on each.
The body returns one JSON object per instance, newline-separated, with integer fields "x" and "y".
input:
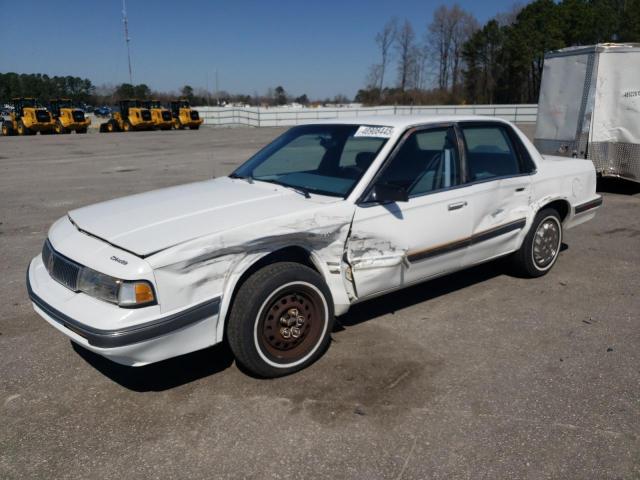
{"x": 499, "y": 188}
{"x": 399, "y": 243}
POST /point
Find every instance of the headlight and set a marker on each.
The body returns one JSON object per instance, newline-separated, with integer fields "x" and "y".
{"x": 124, "y": 293}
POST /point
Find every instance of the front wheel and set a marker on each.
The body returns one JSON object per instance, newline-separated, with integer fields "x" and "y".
{"x": 281, "y": 320}
{"x": 541, "y": 246}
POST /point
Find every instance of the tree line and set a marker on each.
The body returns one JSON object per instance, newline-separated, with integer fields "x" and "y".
{"x": 457, "y": 60}
{"x": 44, "y": 87}
{"x": 81, "y": 90}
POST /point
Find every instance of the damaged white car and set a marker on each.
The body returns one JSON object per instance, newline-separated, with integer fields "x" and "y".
{"x": 325, "y": 216}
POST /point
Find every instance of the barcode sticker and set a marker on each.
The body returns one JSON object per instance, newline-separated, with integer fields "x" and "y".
{"x": 379, "y": 132}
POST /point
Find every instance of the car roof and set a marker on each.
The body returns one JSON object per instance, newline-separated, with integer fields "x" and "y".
{"x": 404, "y": 121}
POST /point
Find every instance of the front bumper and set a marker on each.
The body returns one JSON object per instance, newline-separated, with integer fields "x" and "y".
{"x": 145, "y": 341}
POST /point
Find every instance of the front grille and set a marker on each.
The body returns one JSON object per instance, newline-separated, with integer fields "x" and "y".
{"x": 166, "y": 115}
{"x": 43, "y": 116}
{"x": 194, "y": 115}
{"x": 146, "y": 115}
{"x": 61, "y": 269}
{"x": 78, "y": 116}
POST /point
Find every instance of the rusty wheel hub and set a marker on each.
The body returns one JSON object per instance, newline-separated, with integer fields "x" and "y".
{"x": 291, "y": 324}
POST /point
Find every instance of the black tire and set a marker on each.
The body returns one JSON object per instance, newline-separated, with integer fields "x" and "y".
{"x": 7, "y": 129}
{"x": 81, "y": 130}
{"x": 22, "y": 129}
{"x": 127, "y": 126}
{"x": 541, "y": 247}
{"x": 60, "y": 128}
{"x": 103, "y": 128}
{"x": 279, "y": 300}
{"x": 194, "y": 127}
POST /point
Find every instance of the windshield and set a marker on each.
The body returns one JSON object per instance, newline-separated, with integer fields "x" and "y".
{"x": 323, "y": 159}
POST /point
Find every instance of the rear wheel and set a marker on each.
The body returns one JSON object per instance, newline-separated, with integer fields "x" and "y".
{"x": 541, "y": 246}
{"x": 7, "y": 129}
{"x": 194, "y": 127}
{"x": 127, "y": 126}
{"x": 281, "y": 320}
{"x": 82, "y": 130}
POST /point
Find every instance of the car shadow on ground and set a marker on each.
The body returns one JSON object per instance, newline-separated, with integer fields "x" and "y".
{"x": 162, "y": 375}
{"x": 203, "y": 363}
{"x": 422, "y": 292}
{"x": 618, "y": 185}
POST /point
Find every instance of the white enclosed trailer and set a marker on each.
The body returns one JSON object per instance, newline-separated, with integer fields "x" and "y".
{"x": 589, "y": 107}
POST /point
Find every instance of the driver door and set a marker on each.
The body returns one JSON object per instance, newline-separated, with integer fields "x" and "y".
{"x": 393, "y": 244}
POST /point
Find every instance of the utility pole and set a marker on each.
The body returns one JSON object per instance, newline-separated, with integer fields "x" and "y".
{"x": 126, "y": 38}
{"x": 217, "y": 90}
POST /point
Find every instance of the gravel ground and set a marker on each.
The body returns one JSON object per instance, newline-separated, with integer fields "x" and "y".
{"x": 475, "y": 375}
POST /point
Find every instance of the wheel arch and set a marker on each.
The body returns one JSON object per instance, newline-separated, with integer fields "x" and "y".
{"x": 251, "y": 264}
{"x": 560, "y": 205}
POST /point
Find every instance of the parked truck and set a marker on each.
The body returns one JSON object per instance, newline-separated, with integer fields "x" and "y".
{"x": 67, "y": 117}
{"x": 589, "y": 107}
{"x": 27, "y": 118}
{"x": 129, "y": 117}
{"x": 161, "y": 116}
{"x": 184, "y": 116}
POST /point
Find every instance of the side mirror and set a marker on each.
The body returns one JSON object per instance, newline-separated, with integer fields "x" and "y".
{"x": 386, "y": 192}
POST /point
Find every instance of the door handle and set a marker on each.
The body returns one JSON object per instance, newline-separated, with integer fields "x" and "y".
{"x": 457, "y": 205}
{"x": 520, "y": 189}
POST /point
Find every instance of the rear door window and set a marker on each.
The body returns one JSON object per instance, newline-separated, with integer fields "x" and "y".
{"x": 490, "y": 152}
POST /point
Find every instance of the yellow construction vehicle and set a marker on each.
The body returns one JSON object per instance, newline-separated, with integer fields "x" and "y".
{"x": 161, "y": 117}
{"x": 67, "y": 117}
{"x": 130, "y": 117}
{"x": 184, "y": 116}
{"x": 28, "y": 118}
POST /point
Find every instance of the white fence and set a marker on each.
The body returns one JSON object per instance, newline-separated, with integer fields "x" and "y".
{"x": 276, "y": 117}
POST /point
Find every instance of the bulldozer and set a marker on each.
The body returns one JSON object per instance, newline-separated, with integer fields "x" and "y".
{"x": 130, "y": 117}
{"x": 67, "y": 117}
{"x": 28, "y": 118}
{"x": 184, "y": 116}
{"x": 161, "y": 117}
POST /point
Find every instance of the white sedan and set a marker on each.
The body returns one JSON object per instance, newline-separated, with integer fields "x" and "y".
{"x": 325, "y": 216}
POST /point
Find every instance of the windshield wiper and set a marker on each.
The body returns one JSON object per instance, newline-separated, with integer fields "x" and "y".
{"x": 242, "y": 177}
{"x": 301, "y": 190}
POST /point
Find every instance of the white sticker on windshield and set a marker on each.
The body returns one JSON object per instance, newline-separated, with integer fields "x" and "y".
{"x": 380, "y": 132}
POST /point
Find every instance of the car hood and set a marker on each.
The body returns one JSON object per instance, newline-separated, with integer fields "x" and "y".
{"x": 153, "y": 221}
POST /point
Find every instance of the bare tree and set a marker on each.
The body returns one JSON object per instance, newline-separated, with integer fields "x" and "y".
{"x": 464, "y": 26}
{"x": 447, "y": 33}
{"x": 405, "y": 45}
{"x": 384, "y": 41}
{"x": 374, "y": 78}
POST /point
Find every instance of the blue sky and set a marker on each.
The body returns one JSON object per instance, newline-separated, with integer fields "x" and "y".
{"x": 321, "y": 48}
